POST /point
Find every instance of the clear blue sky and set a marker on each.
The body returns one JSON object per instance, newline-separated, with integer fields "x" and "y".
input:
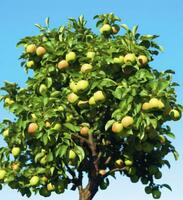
{"x": 154, "y": 17}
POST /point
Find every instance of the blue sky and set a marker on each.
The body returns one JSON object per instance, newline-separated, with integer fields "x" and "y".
{"x": 17, "y": 19}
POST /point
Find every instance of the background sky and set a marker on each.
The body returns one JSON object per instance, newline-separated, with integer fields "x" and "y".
{"x": 17, "y": 19}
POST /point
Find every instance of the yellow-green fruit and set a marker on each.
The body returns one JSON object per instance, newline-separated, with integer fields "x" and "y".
{"x": 117, "y": 127}
{"x": 128, "y": 162}
{"x": 72, "y": 155}
{"x": 63, "y": 64}
{"x": 31, "y": 48}
{"x": 161, "y": 105}
{"x": 156, "y": 193}
{"x": 43, "y": 89}
{"x": 44, "y": 179}
{"x": 102, "y": 172}
{"x": 9, "y": 101}
{"x": 72, "y": 98}
{"x": 71, "y": 56}
{"x": 2, "y": 174}
{"x": 146, "y": 106}
{"x": 127, "y": 121}
{"x": 130, "y": 58}
{"x": 119, "y": 60}
{"x": 86, "y": 68}
{"x": 115, "y": 29}
{"x": 40, "y": 51}
{"x": 99, "y": 96}
{"x": 73, "y": 87}
{"x": 50, "y": 187}
{"x": 57, "y": 127}
{"x": 15, "y": 151}
{"x": 119, "y": 163}
{"x": 47, "y": 124}
{"x": 34, "y": 181}
{"x": 6, "y": 133}
{"x": 15, "y": 166}
{"x": 90, "y": 54}
{"x": 92, "y": 101}
{"x": 143, "y": 60}
{"x": 30, "y": 63}
{"x": 84, "y": 131}
{"x": 154, "y": 102}
{"x": 33, "y": 116}
{"x": 82, "y": 85}
{"x": 175, "y": 114}
{"x": 106, "y": 28}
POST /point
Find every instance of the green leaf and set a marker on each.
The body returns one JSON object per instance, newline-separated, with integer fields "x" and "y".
{"x": 109, "y": 124}
{"x": 166, "y": 186}
{"x": 47, "y": 21}
{"x": 61, "y": 151}
{"x": 171, "y": 135}
{"x": 106, "y": 82}
{"x": 176, "y": 154}
{"x": 72, "y": 127}
{"x": 125, "y": 27}
{"x": 80, "y": 152}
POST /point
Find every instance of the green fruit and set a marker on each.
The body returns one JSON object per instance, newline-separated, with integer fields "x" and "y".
{"x": 86, "y": 68}
{"x": 106, "y": 28}
{"x": 130, "y": 58}
{"x": 34, "y": 181}
{"x": 143, "y": 60}
{"x": 57, "y": 127}
{"x": 128, "y": 162}
{"x": 90, "y": 54}
{"x": 148, "y": 190}
{"x": 99, "y": 96}
{"x": 144, "y": 180}
{"x": 60, "y": 187}
{"x": 50, "y": 187}
{"x": 72, "y": 155}
{"x": 44, "y": 192}
{"x": 69, "y": 117}
{"x": 9, "y": 101}
{"x": 70, "y": 57}
{"x": 2, "y": 174}
{"x": 73, "y": 87}
{"x": 82, "y": 85}
{"x": 119, "y": 60}
{"x": 156, "y": 193}
{"x": 117, "y": 127}
{"x": 92, "y": 101}
{"x": 158, "y": 175}
{"x": 175, "y": 114}
{"x": 15, "y": 151}
{"x": 127, "y": 121}
{"x": 72, "y": 98}
{"x": 30, "y": 63}
{"x": 43, "y": 89}
{"x": 6, "y": 133}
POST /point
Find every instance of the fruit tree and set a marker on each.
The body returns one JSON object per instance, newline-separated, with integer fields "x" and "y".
{"x": 92, "y": 107}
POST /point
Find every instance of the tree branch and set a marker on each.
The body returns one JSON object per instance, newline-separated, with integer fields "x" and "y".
{"x": 113, "y": 170}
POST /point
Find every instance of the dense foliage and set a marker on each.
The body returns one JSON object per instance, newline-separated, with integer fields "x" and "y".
{"x": 94, "y": 106}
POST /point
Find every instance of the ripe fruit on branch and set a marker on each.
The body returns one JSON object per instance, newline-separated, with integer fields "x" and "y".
{"x": 175, "y": 114}
{"x": 72, "y": 155}
{"x": 146, "y": 106}
{"x": 130, "y": 58}
{"x": 30, "y": 63}
{"x": 15, "y": 151}
{"x": 154, "y": 102}
{"x": 72, "y": 98}
{"x": 34, "y": 181}
{"x": 143, "y": 60}
{"x": 115, "y": 29}
{"x": 40, "y": 51}
{"x": 43, "y": 89}
{"x": 85, "y": 68}
{"x": 2, "y": 174}
{"x": 47, "y": 124}
{"x": 99, "y": 96}
{"x": 127, "y": 121}
{"x": 6, "y": 133}
{"x": 63, "y": 64}
{"x": 82, "y": 85}
{"x": 117, "y": 127}
{"x": 50, "y": 187}
{"x": 92, "y": 101}
{"x": 70, "y": 57}
{"x": 102, "y": 172}
{"x": 73, "y": 87}
{"x": 8, "y": 101}
{"x": 90, "y": 54}
{"x": 84, "y": 131}
{"x": 31, "y": 48}
{"x": 106, "y": 28}
{"x": 32, "y": 128}
{"x": 119, "y": 163}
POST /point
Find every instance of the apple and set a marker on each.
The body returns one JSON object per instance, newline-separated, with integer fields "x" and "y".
{"x": 90, "y": 54}
{"x": 82, "y": 85}
{"x": 117, "y": 127}
{"x": 6, "y": 133}
{"x": 63, "y": 64}
{"x": 154, "y": 103}
{"x": 146, "y": 106}
{"x": 84, "y": 131}
{"x": 143, "y": 60}
{"x": 70, "y": 57}
{"x": 127, "y": 121}
{"x": 44, "y": 192}
{"x": 175, "y": 114}
{"x": 2, "y": 174}
{"x": 9, "y": 101}
{"x": 73, "y": 87}
{"x": 32, "y": 128}
{"x": 43, "y": 89}
{"x": 85, "y": 68}
{"x": 91, "y": 101}
{"x": 72, "y": 98}
{"x": 102, "y": 172}
{"x": 115, "y": 29}
{"x": 40, "y": 51}
{"x": 72, "y": 155}
{"x": 106, "y": 28}
{"x": 99, "y": 96}
{"x": 34, "y": 181}
{"x": 31, "y": 48}
{"x": 130, "y": 58}
{"x": 128, "y": 162}
{"x": 57, "y": 127}
{"x": 15, "y": 151}
{"x": 119, "y": 163}
{"x": 50, "y": 187}
{"x": 30, "y": 63}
